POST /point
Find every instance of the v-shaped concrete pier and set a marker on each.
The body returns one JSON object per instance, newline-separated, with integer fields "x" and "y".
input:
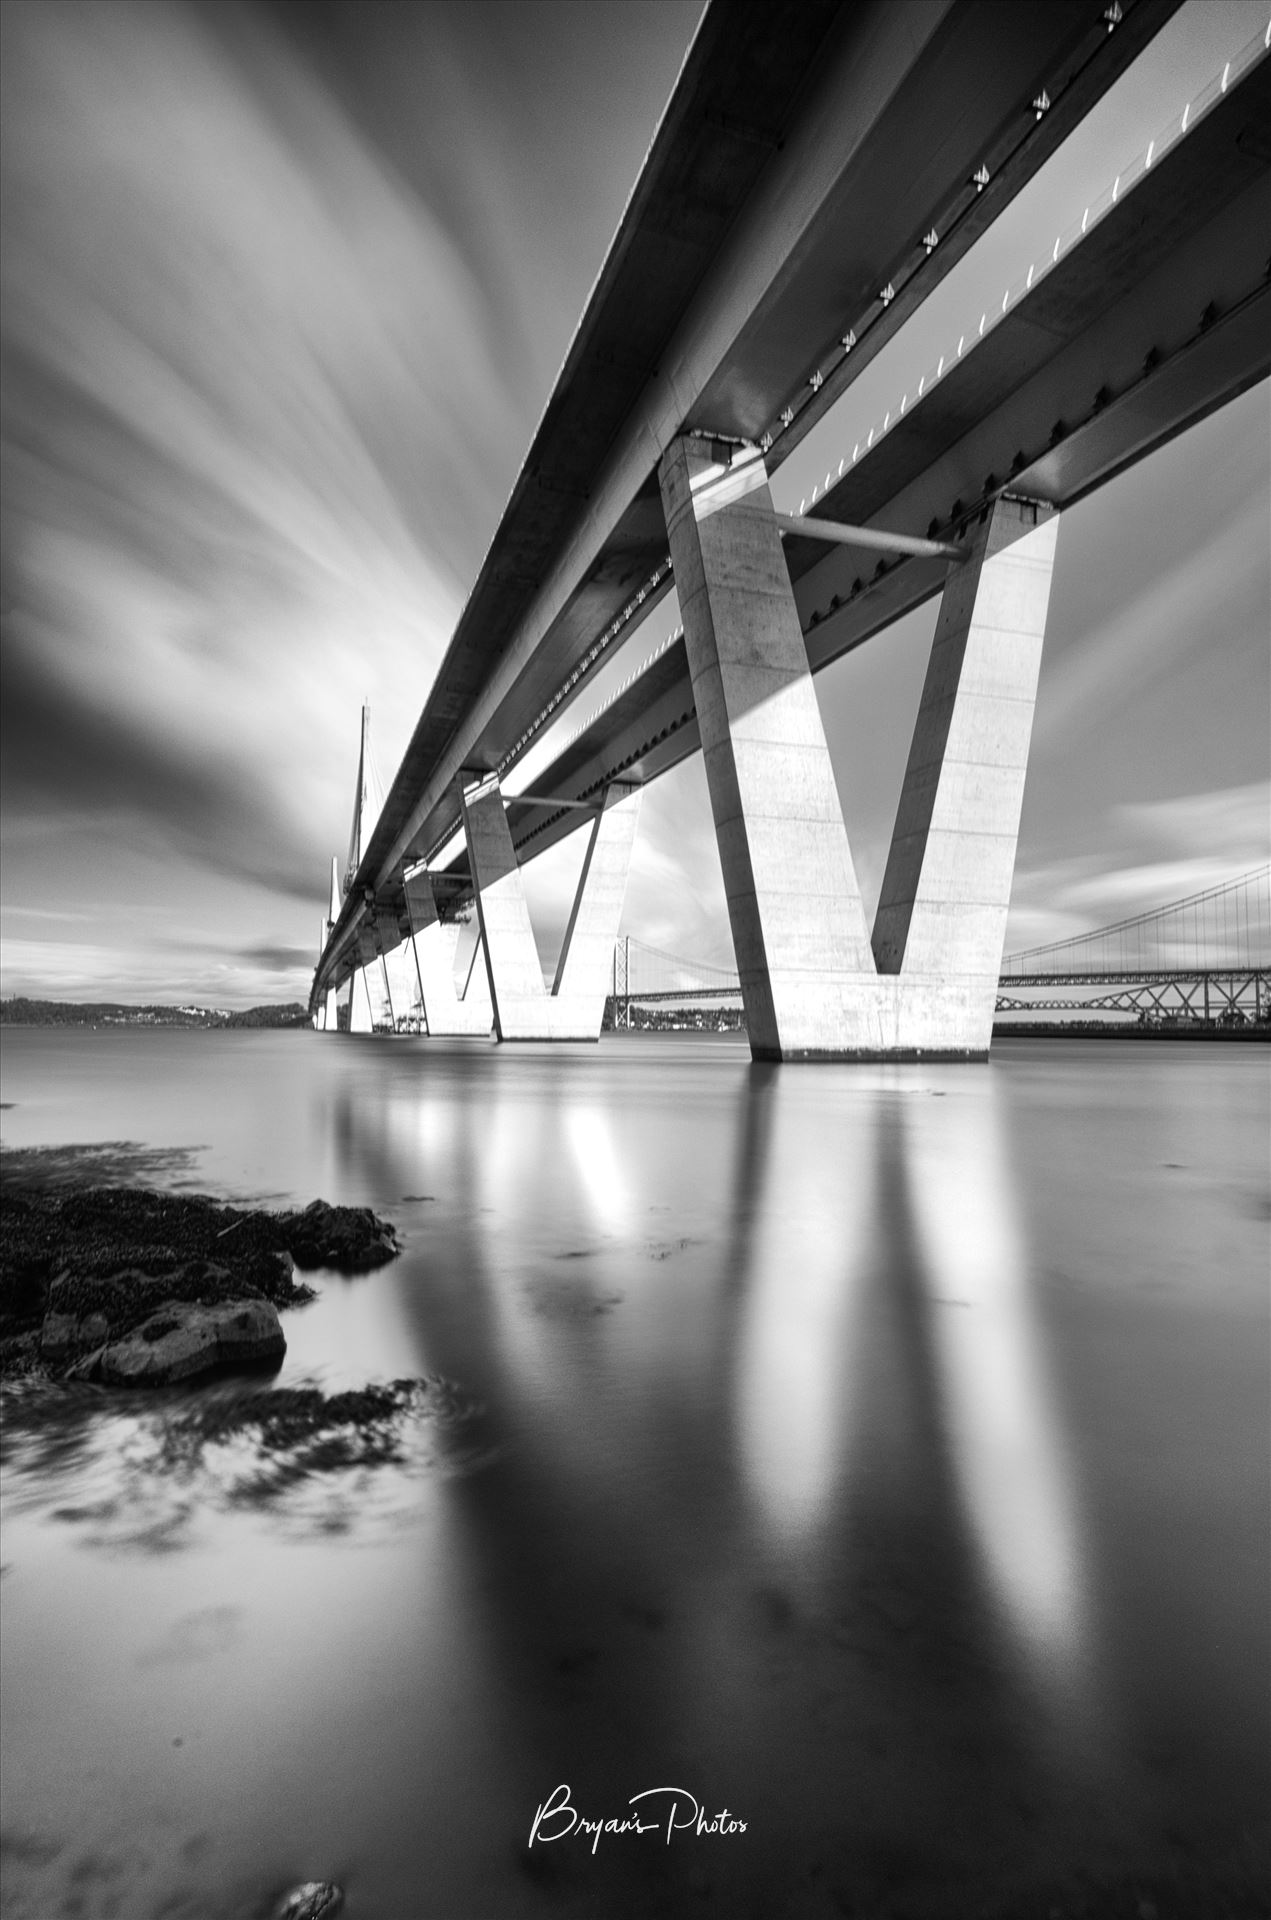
{"x": 814, "y": 983}
{"x": 523, "y": 1007}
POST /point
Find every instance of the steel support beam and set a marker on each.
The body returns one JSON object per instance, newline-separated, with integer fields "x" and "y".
{"x": 875, "y": 539}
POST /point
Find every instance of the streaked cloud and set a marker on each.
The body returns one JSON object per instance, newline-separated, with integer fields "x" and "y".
{"x": 1152, "y": 853}
{"x": 1173, "y": 610}
{"x": 263, "y": 401}
{"x": 212, "y": 327}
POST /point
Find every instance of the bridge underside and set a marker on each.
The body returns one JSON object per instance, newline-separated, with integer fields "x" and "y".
{"x": 1120, "y": 338}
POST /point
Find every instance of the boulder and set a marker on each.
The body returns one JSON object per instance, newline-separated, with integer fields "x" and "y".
{"x": 182, "y": 1340}
{"x": 351, "y": 1239}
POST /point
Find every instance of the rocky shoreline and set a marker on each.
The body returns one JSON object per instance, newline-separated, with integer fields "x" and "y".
{"x": 136, "y": 1287}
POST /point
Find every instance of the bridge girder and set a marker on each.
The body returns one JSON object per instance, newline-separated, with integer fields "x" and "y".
{"x": 1157, "y": 352}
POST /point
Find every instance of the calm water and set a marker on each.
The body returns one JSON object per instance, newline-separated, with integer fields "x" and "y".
{"x": 879, "y": 1454}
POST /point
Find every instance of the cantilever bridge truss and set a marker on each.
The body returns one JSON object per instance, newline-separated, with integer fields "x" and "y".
{"x": 1206, "y": 957}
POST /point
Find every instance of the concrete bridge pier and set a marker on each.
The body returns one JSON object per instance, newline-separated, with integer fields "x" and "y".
{"x": 940, "y": 929}
{"x": 523, "y": 1007}
{"x": 814, "y": 984}
{"x": 324, "y": 1013}
{"x": 326, "y": 1019}
{"x": 362, "y": 1000}
{"x": 433, "y": 944}
{"x": 361, "y": 1019}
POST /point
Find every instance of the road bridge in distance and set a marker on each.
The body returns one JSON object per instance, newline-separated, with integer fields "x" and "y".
{"x": 817, "y": 171}
{"x": 1203, "y": 958}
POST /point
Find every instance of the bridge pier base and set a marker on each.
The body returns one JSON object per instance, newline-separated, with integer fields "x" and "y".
{"x": 813, "y": 983}
{"x": 523, "y": 1007}
{"x": 433, "y": 944}
{"x": 361, "y": 1019}
{"x": 328, "y": 1018}
{"x": 365, "y": 996}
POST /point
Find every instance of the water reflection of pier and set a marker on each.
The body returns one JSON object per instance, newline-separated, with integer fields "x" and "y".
{"x": 783, "y": 1509}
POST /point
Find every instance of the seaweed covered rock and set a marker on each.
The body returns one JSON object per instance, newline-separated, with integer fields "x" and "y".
{"x": 351, "y": 1239}
{"x": 84, "y": 1269}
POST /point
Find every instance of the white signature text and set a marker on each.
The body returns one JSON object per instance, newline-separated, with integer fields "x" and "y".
{"x": 668, "y": 1810}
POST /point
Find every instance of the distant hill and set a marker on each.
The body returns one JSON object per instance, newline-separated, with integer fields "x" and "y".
{"x": 18, "y": 1011}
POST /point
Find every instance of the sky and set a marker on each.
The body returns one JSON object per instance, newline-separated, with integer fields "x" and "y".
{"x": 284, "y": 289}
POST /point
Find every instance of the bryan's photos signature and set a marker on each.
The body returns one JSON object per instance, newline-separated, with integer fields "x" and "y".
{"x": 665, "y": 1810}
